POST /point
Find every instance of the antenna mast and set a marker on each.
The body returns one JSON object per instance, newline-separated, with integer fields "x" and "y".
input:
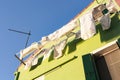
{"x": 27, "y": 33}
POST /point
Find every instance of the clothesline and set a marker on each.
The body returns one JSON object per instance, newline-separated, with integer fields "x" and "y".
{"x": 87, "y": 30}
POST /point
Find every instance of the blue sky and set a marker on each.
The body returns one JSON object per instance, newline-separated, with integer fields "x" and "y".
{"x": 42, "y": 17}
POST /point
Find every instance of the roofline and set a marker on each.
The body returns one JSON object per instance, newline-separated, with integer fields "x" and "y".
{"x": 84, "y": 9}
{"x": 68, "y": 22}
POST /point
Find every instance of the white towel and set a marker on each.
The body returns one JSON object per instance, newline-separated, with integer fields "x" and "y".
{"x": 67, "y": 28}
{"x": 105, "y": 21}
{"x": 29, "y": 63}
{"x": 44, "y": 40}
{"x": 42, "y": 53}
{"x": 111, "y": 7}
{"x": 64, "y": 30}
{"x": 34, "y": 46}
{"x": 53, "y": 36}
{"x": 87, "y": 26}
{"x": 59, "y": 48}
{"x": 78, "y": 34}
{"x": 47, "y": 54}
{"x": 34, "y": 61}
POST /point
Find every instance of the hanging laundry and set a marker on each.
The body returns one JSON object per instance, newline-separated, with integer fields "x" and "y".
{"x": 48, "y": 53}
{"x": 42, "y": 53}
{"x": 45, "y": 53}
{"x": 111, "y": 7}
{"x": 59, "y": 48}
{"x": 105, "y": 21}
{"x": 68, "y": 28}
{"x": 87, "y": 26}
{"x": 78, "y": 34}
{"x": 70, "y": 34}
{"x": 30, "y": 49}
{"x": 44, "y": 40}
{"x": 97, "y": 11}
{"x": 64, "y": 30}
{"x": 28, "y": 62}
{"x": 33, "y": 59}
{"x": 53, "y": 36}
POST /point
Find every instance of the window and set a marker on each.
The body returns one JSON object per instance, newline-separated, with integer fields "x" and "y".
{"x": 104, "y": 64}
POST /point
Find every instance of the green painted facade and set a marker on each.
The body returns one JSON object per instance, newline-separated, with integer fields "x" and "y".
{"x": 70, "y": 65}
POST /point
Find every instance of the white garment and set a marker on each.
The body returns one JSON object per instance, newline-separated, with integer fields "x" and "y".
{"x": 47, "y": 54}
{"x": 78, "y": 35}
{"x": 105, "y": 21}
{"x": 87, "y": 25}
{"x": 42, "y": 53}
{"x": 34, "y": 46}
{"x": 35, "y": 61}
{"x": 53, "y": 36}
{"x": 64, "y": 30}
{"x": 111, "y": 7}
{"x": 59, "y": 48}
{"x": 44, "y": 40}
{"x": 70, "y": 34}
{"x": 29, "y": 63}
{"x": 67, "y": 28}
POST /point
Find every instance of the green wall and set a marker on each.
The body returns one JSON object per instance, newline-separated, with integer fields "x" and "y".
{"x": 70, "y": 66}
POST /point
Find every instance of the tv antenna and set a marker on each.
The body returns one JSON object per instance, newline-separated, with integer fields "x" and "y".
{"x": 26, "y": 33}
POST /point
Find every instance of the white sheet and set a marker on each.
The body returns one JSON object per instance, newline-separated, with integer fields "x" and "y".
{"x": 34, "y": 46}
{"x": 105, "y": 21}
{"x": 87, "y": 26}
{"x": 59, "y": 48}
{"x": 64, "y": 30}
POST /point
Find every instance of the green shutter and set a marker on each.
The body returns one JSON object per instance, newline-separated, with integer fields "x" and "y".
{"x": 89, "y": 67}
